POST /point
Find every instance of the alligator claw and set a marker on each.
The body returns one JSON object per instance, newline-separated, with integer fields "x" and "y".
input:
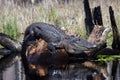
{"x": 51, "y": 47}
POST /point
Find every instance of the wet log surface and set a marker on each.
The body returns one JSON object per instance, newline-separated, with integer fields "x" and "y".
{"x": 10, "y": 43}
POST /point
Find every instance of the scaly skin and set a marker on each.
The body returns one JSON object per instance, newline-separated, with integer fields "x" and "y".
{"x": 56, "y": 38}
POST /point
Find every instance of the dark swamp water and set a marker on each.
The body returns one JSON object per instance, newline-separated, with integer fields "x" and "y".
{"x": 74, "y": 71}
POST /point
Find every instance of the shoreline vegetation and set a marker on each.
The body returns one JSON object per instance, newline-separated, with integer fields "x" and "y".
{"x": 68, "y": 16}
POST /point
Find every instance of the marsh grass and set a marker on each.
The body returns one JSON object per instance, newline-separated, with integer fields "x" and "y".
{"x": 69, "y": 17}
{"x": 108, "y": 58}
{"x": 9, "y": 27}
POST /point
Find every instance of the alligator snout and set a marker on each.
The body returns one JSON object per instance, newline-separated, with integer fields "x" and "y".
{"x": 93, "y": 46}
{"x": 78, "y": 45}
{"x": 90, "y": 46}
{"x": 86, "y": 44}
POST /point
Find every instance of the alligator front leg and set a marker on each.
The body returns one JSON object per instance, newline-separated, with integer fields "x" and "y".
{"x": 52, "y": 48}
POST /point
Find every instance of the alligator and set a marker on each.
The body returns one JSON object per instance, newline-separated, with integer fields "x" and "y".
{"x": 56, "y": 38}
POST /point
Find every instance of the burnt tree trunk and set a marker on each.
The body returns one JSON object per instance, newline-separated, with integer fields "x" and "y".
{"x": 116, "y": 40}
{"x": 116, "y": 37}
{"x": 97, "y": 16}
{"x": 88, "y": 19}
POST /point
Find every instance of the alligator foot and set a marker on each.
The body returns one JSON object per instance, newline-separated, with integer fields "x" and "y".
{"x": 52, "y": 48}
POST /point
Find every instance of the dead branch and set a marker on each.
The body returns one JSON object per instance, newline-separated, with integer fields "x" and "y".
{"x": 116, "y": 36}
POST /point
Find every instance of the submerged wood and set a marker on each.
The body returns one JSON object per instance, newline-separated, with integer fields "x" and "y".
{"x": 8, "y": 60}
{"x": 4, "y": 51}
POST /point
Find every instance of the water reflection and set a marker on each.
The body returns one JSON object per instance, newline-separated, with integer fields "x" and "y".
{"x": 73, "y": 71}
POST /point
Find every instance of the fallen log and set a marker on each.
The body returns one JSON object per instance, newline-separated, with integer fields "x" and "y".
{"x": 10, "y": 43}
{"x": 10, "y": 52}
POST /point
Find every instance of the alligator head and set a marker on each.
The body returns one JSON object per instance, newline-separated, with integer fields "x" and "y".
{"x": 77, "y": 45}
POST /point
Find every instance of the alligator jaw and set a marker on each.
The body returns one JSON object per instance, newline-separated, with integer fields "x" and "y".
{"x": 83, "y": 45}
